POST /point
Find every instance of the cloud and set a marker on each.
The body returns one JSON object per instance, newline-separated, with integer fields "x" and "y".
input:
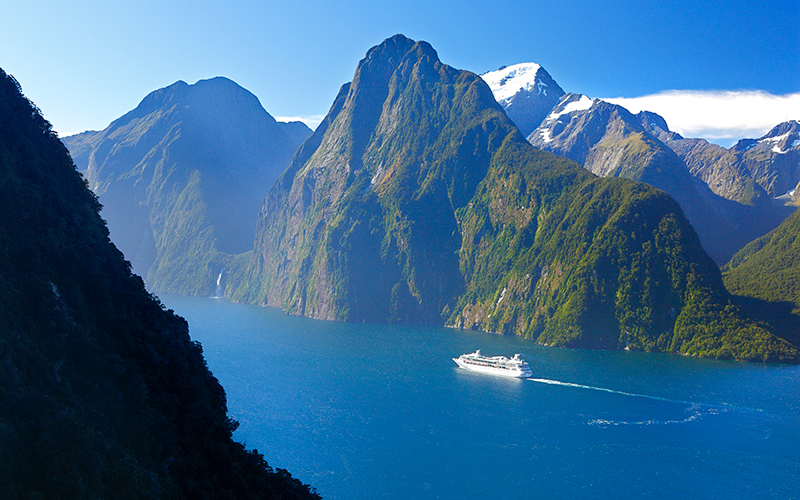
{"x": 311, "y": 120}
{"x": 721, "y": 117}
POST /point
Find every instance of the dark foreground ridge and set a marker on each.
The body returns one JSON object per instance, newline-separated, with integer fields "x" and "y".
{"x": 102, "y": 392}
{"x": 417, "y": 200}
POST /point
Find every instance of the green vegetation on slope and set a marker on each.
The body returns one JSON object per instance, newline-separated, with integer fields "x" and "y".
{"x": 102, "y": 392}
{"x": 609, "y": 141}
{"x": 417, "y": 200}
{"x": 612, "y": 265}
{"x": 766, "y": 268}
{"x": 765, "y": 275}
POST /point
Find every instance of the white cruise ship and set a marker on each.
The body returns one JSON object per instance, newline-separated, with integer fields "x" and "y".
{"x": 495, "y": 365}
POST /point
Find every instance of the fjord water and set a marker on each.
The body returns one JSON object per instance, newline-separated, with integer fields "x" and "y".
{"x": 364, "y": 411}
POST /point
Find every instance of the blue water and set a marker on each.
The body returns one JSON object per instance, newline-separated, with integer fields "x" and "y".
{"x": 375, "y": 411}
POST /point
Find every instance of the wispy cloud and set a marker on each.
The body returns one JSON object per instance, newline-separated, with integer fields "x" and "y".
{"x": 312, "y": 120}
{"x": 721, "y": 117}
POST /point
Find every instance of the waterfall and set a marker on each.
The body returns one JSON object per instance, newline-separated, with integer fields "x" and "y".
{"x": 218, "y": 292}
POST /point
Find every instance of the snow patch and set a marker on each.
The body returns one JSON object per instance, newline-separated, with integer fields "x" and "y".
{"x": 546, "y": 136}
{"x": 778, "y": 138}
{"x": 541, "y": 87}
{"x": 581, "y": 104}
{"x": 507, "y": 82}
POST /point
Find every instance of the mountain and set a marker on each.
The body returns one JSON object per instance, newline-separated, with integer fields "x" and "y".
{"x": 749, "y": 173}
{"x": 719, "y": 168}
{"x": 765, "y": 275}
{"x": 526, "y": 92}
{"x": 181, "y": 178}
{"x": 773, "y": 160}
{"x": 720, "y": 195}
{"x": 417, "y": 200}
{"x": 102, "y": 392}
{"x": 608, "y": 140}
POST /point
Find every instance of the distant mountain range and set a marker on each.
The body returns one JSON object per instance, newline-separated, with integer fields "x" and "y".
{"x": 182, "y": 176}
{"x": 418, "y": 200}
{"x": 726, "y": 194}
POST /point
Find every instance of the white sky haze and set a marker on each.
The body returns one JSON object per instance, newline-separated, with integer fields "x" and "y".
{"x": 721, "y": 117}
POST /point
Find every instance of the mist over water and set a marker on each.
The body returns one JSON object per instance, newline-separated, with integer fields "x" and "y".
{"x": 376, "y": 411}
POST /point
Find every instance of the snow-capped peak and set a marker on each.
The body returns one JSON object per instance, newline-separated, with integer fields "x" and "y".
{"x": 508, "y": 80}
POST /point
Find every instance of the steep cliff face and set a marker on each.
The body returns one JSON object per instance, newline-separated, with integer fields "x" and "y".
{"x": 102, "y": 392}
{"x": 364, "y": 229}
{"x": 418, "y": 200}
{"x": 181, "y": 178}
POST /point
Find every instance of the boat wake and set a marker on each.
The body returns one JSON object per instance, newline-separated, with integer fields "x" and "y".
{"x": 601, "y": 389}
{"x": 694, "y": 411}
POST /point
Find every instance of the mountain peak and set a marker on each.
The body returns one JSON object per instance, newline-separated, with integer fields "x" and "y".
{"x": 160, "y": 97}
{"x": 211, "y": 143}
{"x": 209, "y": 92}
{"x": 390, "y": 51}
{"x": 653, "y": 122}
{"x": 787, "y": 127}
{"x": 507, "y": 81}
{"x": 526, "y": 91}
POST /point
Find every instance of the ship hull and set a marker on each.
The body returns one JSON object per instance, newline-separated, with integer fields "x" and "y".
{"x": 489, "y": 370}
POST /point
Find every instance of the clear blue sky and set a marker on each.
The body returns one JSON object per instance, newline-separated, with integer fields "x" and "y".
{"x": 85, "y": 63}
